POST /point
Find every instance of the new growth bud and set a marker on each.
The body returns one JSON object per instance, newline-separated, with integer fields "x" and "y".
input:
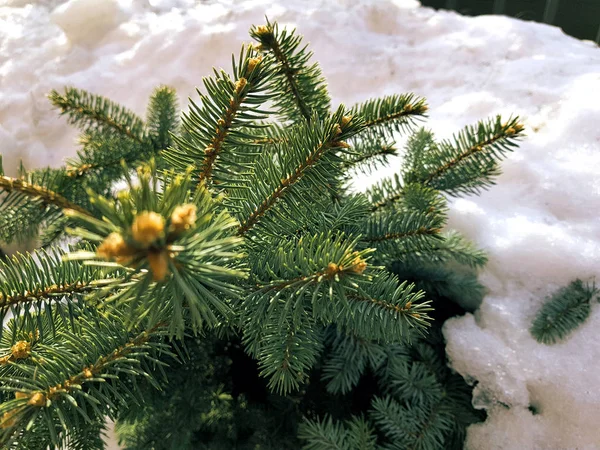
{"x": 252, "y": 63}
{"x": 183, "y": 217}
{"x": 38, "y": 399}
{"x": 114, "y": 247}
{"x": 21, "y": 350}
{"x": 159, "y": 265}
{"x": 147, "y": 227}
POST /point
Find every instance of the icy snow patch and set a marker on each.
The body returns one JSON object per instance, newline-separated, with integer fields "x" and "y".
{"x": 539, "y": 224}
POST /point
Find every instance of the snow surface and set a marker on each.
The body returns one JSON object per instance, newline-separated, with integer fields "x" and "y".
{"x": 540, "y": 223}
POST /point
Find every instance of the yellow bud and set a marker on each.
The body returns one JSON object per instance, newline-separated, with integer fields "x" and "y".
{"x": 346, "y": 120}
{"x": 114, "y": 246}
{"x": 183, "y": 217}
{"x": 20, "y": 395}
{"x": 340, "y": 144}
{"x": 38, "y": 399}
{"x": 21, "y": 350}
{"x": 4, "y": 360}
{"x": 263, "y": 30}
{"x": 8, "y": 419}
{"x": 159, "y": 265}
{"x": 252, "y": 63}
{"x": 332, "y": 269}
{"x": 147, "y": 227}
{"x": 240, "y": 84}
{"x": 87, "y": 373}
{"x": 359, "y": 265}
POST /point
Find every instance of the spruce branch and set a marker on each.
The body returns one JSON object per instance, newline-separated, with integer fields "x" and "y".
{"x": 309, "y": 156}
{"x": 163, "y": 117}
{"x": 47, "y": 196}
{"x": 451, "y": 247}
{"x": 105, "y": 157}
{"x": 411, "y": 427}
{"x": 407, "y": 229}
{"x": 564, "y": 311}
{"x": 214, "y": 130}
{"x": 180, "y": 253}
{"x": 389, "y": 114}
{"x": 348, "y": 358}
{"x": 355, "y": 434}
{"x": 397, "y": 309}
{"x": 42, "y": 283}
{"x": 467, "y": 163}
{"x": 288, "y": 353}
{"x": 76, "y": 374}
{"x": 367, "y": 156}
{"x": 91, "y": 111}
{"x": 301, "y": 87}
{"x": 385, "y": 193}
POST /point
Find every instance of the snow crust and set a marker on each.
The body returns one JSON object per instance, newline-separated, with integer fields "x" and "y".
{"x": 540, "y": 224}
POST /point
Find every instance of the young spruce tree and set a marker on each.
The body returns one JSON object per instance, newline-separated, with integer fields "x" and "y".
{"x": 237, "y": 293}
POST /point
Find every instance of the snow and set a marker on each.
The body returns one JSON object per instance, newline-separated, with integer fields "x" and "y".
{"x": 539, "y": 224}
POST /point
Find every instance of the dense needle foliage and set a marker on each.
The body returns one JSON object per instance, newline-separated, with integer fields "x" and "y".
{"x": 238, "y": 293}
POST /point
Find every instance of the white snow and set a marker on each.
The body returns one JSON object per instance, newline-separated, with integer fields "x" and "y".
{"x": 540, "y": 224}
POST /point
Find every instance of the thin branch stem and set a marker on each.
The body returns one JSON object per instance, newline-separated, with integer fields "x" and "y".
{"x": 422, "y": 231}
{"x": 469, "y": 152}
{"x": 289, "y": 74}
{"x": 32, "y": 190}
{"x": 283, "y": 187}
{"x": 27, "y": 297}
{"x": 223, "y": 125}
{"x": 64, "y": 103}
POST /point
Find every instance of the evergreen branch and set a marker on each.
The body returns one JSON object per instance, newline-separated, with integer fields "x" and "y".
{"x": 466, "y": 164}
{"x": 105, "y": 156}
{"x": 47, "y": 196}
{"x": 309, "y": 156}
{"x": 354, "y": 434}
{"x": 452, "y": 247}
{"x": 44, "y": 280}
{"x": 42, "y": 294}
{"x": 324, "y": 257}
{"x": 392, "y": 113}
{"x": 180, "y": 253}
{"x": 368, "y": 157}
{"x": 215, "y": 130}
{"x": 565, "y": 310}
{"x": 323, "y": 435}
{"x": 412, "y": 427}
{"x": 70, "y": 377}
{"x": 90, "y": 111}
{"x": 421, "y": 231}
{"x": 321, "y": 268}
{"x": 163, "y": 117}
{"x": 411, "y": 230}
{"x": 225, "y": 122}
{"x": 396, "y": 309}
{"x": 349, "y": 357}
{"x": 287, "y": 354}
{"x": 302, "y": 88}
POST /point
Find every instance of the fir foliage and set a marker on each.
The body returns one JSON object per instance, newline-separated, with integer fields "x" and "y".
{"x": 564, "y": 311}
{"x": 238, "y": 272}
